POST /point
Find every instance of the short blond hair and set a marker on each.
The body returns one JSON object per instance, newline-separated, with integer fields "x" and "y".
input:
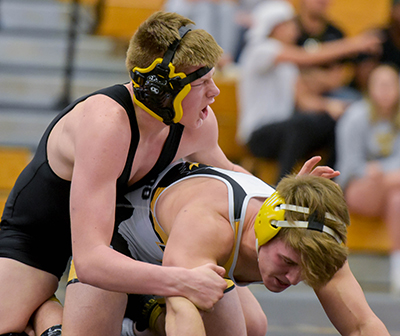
{"x": 321, "y": 255}
{"x": 151, "y": 41}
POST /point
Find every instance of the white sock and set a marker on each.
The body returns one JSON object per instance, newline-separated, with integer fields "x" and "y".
{"x": 395, "y": 271}
{"x": 127, "y": 327}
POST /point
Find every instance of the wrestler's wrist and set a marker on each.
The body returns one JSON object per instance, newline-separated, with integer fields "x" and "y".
{"x": 183, "y": 279}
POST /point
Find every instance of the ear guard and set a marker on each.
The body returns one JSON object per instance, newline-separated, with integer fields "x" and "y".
{"x": 159, "y": 90}
{"x": 270, "y": 219}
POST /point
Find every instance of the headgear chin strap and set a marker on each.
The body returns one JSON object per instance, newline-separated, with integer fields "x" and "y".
{"x": 159, "y": 90}
{"x": 271, "y": 218}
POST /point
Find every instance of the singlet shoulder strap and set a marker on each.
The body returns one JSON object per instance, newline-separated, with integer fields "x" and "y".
{"x": 122, "y": 96}
{"x": 167, "y": 155}
{"x": 186, "y": 169}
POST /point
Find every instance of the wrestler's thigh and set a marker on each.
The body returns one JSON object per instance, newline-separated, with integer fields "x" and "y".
{"x": 256, "y": 320}
{"x": 22, "y": 290}
{"x": 91, "y": 311}
{"x": 227, "y": 317}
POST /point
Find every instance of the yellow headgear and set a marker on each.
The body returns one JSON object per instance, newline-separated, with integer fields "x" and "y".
{"x": 271, "y": 218}
{"x": 159, "y": 90}
{"x": 263, "y": 227}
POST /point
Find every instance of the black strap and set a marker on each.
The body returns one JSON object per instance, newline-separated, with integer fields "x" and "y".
{"x": 314, "y": 224}
{"x": 195, "y": 75}
{"x": 167, "y": 155}
{"x": 170, "y": 53}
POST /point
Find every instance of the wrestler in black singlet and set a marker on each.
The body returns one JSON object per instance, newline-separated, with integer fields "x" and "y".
{"x": 35, "y": 226}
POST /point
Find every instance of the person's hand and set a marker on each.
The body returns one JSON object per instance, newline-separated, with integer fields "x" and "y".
{"x": 369, "y": 42}
{"x": 206, "y": 286}
{"x": 323, "y": 171}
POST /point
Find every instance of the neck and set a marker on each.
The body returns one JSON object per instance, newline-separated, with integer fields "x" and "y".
{"x": 247, "y": 265}
{"x": 313, "y": 24}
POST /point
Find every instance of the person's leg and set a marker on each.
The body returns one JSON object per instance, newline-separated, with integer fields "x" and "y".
{"x": 256, "y": 320}
{"x": 47, "y": 319}
{"x": 266, "y": 141}
{"x": 366, "y": 196}
{"x": 91, "y": 311}
{"x": 303, "y": 134}
{"x": 22, "y": 290}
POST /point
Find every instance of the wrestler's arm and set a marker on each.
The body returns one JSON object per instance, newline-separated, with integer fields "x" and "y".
{"x": 101, "y": 146}
{"x": 199, "y": 235}
{"x": 344, "y": 303}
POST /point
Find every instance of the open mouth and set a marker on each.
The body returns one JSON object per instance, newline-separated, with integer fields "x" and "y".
{"x": 204, "y": 112}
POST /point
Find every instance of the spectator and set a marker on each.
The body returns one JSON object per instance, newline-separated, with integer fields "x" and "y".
{"x": 244, "y": 20}
{"x": 391, "y": 44}
{"x": 269, "y": 123}
{"x": 332, "y": 77}
{"x": 390, "y": 50}
{"x": 368, "y": 143}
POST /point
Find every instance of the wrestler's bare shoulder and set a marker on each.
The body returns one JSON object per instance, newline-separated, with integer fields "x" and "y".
{"x": 99, "y": 115}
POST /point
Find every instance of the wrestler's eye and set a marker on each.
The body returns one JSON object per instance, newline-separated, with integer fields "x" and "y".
{"x": 197, "y": 84}
{"x": 288, "y": 261}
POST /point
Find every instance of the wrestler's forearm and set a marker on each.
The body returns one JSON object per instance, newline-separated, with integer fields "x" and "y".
{"x": 111, "y": 270}
{"x": 183, "y": 318}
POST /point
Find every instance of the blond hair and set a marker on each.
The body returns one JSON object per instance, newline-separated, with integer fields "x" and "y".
{"x": 151, "y": 40}
{"x": 321, "y": 255}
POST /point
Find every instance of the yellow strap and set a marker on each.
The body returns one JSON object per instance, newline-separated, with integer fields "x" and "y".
{"x": 72, "y": 277}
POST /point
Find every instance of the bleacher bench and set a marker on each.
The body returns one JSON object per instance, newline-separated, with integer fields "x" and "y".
{"x": 12, "y": 161}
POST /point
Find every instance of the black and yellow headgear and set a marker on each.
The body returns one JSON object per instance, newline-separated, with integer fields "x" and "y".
{"x": 271, "y": 218}
{"x": 159, "y": 90}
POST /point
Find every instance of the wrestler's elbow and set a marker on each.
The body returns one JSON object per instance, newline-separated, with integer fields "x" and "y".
{"x": 85, "y": 270}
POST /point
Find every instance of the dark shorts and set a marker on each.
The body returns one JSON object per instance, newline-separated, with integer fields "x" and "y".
{"x": 44, "y": 253}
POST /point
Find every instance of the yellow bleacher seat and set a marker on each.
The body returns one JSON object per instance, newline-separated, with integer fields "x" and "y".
{"x": 356, "y": 16}
{"x": 121, "y": 18}
{"x": 226, "y": 111}
{"x": 368, "y": 234}
{"x": 3, "y": 199}
{"x": 12, "y": 161}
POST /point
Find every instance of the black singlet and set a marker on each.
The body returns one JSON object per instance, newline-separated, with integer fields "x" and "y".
{"x": 35, "y": 226}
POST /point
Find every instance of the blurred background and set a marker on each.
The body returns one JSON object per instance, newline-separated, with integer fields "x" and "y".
{"x": 54, "y": 51}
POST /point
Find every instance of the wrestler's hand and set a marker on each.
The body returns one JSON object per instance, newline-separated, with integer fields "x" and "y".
{"x": 323, "y": 171}
{"x": 206, "y": 287}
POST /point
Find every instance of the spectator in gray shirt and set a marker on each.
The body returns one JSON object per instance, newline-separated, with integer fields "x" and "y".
{"x": 368, "y": 154}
